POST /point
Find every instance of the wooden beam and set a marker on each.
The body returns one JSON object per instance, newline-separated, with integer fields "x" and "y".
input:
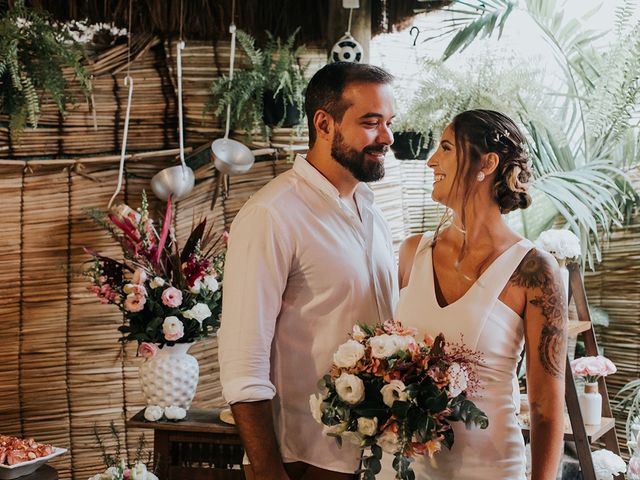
{"x": 360, "y": 24}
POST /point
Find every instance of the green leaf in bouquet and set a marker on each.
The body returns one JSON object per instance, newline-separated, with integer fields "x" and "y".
{"x": 447, "y": 441}
{"x": 325, "y": 382}
{"x": 376, "y": 451}
{"x": 368, "y": 329}
{"x": 466, "y": 411}
{"x": 371, "y": 411}
{"x": 415, "y": 418}
{"x": 402, "y": 465}
{"x": 372, "y": 466}
{"x": 424, "y": 428}
{"x": 338, "y": 441}
{"x": 438, "y": 403}
{"x": 400, "y": 409}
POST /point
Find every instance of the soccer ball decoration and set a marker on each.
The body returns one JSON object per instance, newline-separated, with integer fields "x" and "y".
{"x": 347, "y": 49}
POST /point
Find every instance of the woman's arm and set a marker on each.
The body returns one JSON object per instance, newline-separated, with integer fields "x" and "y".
{"x": 545, "y": 320}
{"x": 405, "y": 258}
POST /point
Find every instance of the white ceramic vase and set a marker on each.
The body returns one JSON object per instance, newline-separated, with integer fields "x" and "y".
{"x": 171, "y": 377}
{"x": 591, "y": 404}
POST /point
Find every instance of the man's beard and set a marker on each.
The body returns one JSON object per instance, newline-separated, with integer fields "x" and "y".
{"x": 362, "y": 169}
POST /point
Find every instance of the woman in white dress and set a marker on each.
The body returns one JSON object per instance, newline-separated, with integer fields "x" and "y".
{"x": 480, "y": 282}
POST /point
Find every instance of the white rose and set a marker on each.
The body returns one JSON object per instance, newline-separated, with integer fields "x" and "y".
{"x": 348, "y": 354}
{"x": 198, "y": 312}
{"x": 316, "y": 404}
{"x": 458, "y": 379}
{"x": 403, "y": 342}
{"x": 389, "y": 441}
{"x": 172, "y": 328}
{"x": 175, "y": 412}
{"x": 153, "y": 413}
{"x": 156, "y": 282}
{"x": 196, "y": 287}
{"x": 383, "y": 346}
{"x": 350, "y": 388}
{"x": 368, "y": 426}
{"x": 606, "y": 464}
{"x": 393, "y": 391}
{"x": 211, "y": 283}
{"x": 358, "y": 334}
{"x": 140, "y": 472}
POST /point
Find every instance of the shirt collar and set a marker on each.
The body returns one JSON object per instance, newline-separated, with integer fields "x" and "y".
{"x": 307, "y": 171}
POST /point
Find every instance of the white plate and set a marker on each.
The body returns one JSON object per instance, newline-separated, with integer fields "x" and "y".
{"x": 9, "y": 472}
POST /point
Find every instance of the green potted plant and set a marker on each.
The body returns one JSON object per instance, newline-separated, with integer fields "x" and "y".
{"x": 269, "y": 92}
{"x": 34, "y": 53}
{"x": 411, "y": 141}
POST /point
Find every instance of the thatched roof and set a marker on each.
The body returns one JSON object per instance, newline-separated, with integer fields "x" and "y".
{"x": 209, "y": 19}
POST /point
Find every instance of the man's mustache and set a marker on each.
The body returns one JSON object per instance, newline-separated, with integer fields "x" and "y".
{"x": 383, "y": 149}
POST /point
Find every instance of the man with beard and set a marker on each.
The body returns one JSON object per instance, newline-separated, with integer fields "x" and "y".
{"x": 309, "y": 256}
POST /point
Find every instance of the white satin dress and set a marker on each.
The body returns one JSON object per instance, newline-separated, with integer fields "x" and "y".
{"x": 487, "y": 325}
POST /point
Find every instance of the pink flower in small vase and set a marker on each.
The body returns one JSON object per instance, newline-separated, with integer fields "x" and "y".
{"x": 147, "y": 350}
{"x": 134, "y": 303}
{"x": 140, "y": 276}
{"x": 126, "y": 475}
{"x": 172, "y": 297}
{"x": 172, "y": 328}
{"x": 592, "y": 367}
{"x": 634, "y": 466}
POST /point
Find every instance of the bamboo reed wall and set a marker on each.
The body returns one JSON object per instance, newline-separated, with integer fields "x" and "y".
{"x": 614, "y": 286}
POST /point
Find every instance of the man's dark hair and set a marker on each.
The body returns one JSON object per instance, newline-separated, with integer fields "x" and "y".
{"x": 325, "y": 88}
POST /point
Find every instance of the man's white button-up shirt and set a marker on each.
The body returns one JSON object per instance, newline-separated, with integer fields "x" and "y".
{"x": 301, "y": 270}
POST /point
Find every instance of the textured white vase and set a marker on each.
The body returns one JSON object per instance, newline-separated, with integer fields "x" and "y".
{"x": 591, "y": 404}
{"x": 171, "y": 377}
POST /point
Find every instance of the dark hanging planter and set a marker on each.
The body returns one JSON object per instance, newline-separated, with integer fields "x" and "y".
{"x": 278, "y": 111}
{"x": 411, "y": 145}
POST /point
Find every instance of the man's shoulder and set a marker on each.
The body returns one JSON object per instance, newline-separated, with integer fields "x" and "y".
{"x": 276, "y": 195}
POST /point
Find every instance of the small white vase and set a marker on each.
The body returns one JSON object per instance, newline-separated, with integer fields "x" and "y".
{"x": 171, "y": 377}
{"x": 591, "y": 404}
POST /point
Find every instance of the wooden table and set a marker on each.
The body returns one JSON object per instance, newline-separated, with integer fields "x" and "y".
{"x": 200, "y": 447}
{"x": 45, "y": 472}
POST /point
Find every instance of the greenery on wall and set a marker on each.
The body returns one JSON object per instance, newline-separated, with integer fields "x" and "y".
{"x": 273, "y": 70}
{"x": 33, "y": 56}
{"x": 585, "y": 138}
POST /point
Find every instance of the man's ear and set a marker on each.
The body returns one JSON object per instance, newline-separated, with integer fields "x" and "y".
{"x": 323, "y": 123}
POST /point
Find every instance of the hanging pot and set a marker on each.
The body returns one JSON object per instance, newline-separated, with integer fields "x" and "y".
{"x": 410, "y": 145}
{"x": 279, "y": 111}
{"x": 230, "y": 156}
{"x": 175, "y": 182}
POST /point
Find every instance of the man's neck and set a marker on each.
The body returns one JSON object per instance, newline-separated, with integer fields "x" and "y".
{"x": 340, "y": 177}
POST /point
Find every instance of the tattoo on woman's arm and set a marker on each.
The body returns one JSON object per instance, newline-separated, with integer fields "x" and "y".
{"x": 534, "y": 272}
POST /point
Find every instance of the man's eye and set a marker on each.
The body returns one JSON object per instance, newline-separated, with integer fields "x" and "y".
{"x": 446, "y": 148}
{"x": 370, "y": 124}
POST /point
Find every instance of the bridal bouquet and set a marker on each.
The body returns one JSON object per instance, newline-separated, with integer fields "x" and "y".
{"x": 389, "y": 391}
{"x": 167, "y": 295}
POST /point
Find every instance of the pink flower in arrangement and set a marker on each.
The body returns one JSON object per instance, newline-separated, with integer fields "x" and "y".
{"x": 134, "y": 303}
{"x": 147, "y": 350}
{"x": 172, "y": 297}
{"x": 135, "y": 289}
{"x": 172, "y": 328}
{"x": 139, "y": 276}
{"x": 634, "y": 466}
{"x": 592, "y": 367}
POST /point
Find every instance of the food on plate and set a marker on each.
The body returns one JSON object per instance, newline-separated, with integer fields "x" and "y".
{"x": 14, "y": 450}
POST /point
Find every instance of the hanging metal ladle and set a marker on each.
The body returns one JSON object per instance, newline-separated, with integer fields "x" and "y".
{"x": 175, "y": 182}
{"x": 229, "y": 156}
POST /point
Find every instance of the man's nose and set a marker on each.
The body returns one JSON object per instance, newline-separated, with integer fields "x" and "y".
{"x": 385, "y": 135}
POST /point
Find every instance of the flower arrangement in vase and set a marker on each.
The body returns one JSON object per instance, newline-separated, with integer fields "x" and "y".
{"x": 591, "y": 369}
{"x": 169, "y": 297}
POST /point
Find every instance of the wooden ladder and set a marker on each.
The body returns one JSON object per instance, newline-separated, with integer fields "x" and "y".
{"x": 583, "y": 435}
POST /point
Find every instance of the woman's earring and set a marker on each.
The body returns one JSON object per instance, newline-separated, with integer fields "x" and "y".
{"x": 480, "y": 176}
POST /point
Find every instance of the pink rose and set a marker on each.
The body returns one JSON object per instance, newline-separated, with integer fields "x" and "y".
{"x": 139, "y": 276}
{"x": 172, "y": 297}
{"x": 592, "y": 367}
{"x": 634, "y": 466}
{"x": 147, "y": 350}
{"x": 134, "y": 303}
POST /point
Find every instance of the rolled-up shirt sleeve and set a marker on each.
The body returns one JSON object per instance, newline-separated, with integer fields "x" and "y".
{"x": 255, "y": 276}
